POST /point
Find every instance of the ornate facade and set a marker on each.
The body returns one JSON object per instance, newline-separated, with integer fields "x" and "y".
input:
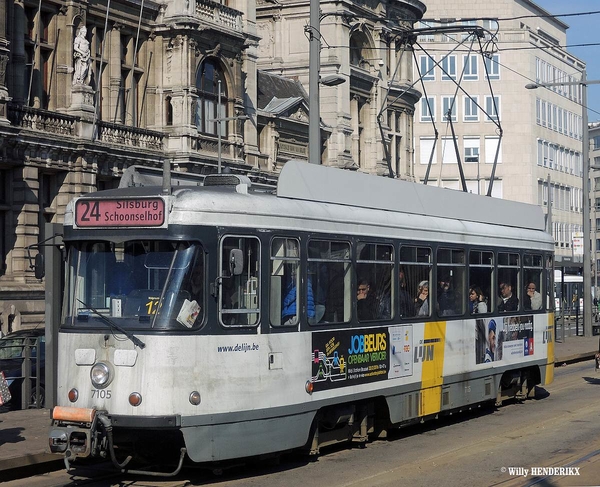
{"x": 86, "y": 93}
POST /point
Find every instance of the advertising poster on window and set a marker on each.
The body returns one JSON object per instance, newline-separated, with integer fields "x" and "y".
{"x": 503, "y": 338}
{"x": 349, "y": 357}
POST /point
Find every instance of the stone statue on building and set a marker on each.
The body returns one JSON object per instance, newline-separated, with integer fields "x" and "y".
{"x": 81, "y": 54}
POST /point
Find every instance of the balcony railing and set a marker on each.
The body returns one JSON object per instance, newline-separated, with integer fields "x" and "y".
{"x": 229, "y": 150}
{"x": 113, "y": 133}
{"x": 49, "y": 122}
{"x": 42, "y": 120}
{"x": 219, "y": 14}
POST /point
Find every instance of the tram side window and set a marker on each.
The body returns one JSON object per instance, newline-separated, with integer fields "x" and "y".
{"x": 330, "y": 275}
{"x": 481, "y": 278}
{"x": 284, "y": 290}
{"x": 508, "y": 282}
{"x": 374, "y": 270}
{"x": 451, "y": 275}
{"x": 414, "y": 281}
{"x": 240, "y": 294}
{"x": 532, "y": 280}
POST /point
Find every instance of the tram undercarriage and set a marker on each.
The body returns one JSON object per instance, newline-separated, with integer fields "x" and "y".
{"x": 90, "y": 433}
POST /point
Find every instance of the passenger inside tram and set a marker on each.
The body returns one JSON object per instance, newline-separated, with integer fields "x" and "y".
{"x": 477, "y": 302}
{"x": 407, "y": 307}
{"x": 446, "y": 297}
{"x": 508, "y": 301}
{"x": 366, "y": 304}
{"x": 422, "y": 299}
{"x": 532, "y": 300}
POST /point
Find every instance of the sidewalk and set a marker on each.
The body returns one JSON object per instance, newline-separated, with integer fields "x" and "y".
{"x": 24, "y": 434}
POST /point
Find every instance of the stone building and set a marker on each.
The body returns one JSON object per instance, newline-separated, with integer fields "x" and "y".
{"x": 540, "y": 153}
{"x": 86, "y": 92}
{"x": 368, "y": 44}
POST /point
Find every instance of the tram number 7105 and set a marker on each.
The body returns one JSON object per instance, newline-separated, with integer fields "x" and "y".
{"x": 101, "y": 393}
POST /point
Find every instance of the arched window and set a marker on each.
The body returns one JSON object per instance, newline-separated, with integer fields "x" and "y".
{"x": 208, "y": 82}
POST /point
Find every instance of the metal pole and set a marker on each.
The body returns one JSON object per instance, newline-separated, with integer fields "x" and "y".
{"x": 595, "y": 254}
{"x": 219, "y": 127}
{"x": 314, "y": 117}
{"x": 563, "y": 301}
{"x": 587, "y": 270}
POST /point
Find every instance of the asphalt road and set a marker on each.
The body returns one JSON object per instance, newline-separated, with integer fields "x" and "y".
{"x": 507, "y": 446}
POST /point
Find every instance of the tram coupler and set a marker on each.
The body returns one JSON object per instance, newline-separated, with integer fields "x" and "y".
{"x": 74, "y": 432}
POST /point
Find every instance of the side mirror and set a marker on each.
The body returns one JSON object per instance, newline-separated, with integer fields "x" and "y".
{"x": 39, "y": 266}
{"x": 236, "y": 262}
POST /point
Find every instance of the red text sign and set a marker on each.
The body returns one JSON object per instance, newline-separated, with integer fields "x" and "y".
{"x": 141, "y": 212}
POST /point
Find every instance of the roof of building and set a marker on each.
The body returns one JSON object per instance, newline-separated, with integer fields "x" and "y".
{"x": 272, "y": 86}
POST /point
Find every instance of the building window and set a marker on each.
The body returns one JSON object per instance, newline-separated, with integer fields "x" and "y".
{"x": 496, "y": 188}
{"x": 449, "y": 155}
{"x": 469, "y": 33}
{"x": 491, "y": 146}
{"x": 471, "y": 145}
{"x": 429, "y": 37}
{"x": 427, "y": 68}
{"x": 492, "y": 107}
{"x": 471, "y": 68}
{"x": 448, "y": 105}
{"x": 492, "y": 27}
{"x": 492, "y": 65}
{"x": 426, "y": 148}
{"x": 208, "y": 82}
{"x": 449, "y": 68}
{"x": 427, "y": 109}
{"x": 471, "y": 110}
{"x": 543, "y": 113}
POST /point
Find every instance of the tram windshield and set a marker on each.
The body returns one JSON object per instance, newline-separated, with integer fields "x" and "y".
{"x": 138, "y": 284}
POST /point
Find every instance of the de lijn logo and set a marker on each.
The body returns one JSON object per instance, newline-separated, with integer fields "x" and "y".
{"x": 425, "y": 350}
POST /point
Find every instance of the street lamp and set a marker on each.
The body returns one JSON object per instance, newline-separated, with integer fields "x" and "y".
{"x": 587, "y": 270}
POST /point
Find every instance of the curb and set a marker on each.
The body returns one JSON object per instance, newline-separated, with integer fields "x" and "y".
{"x": 572, "y": 359}
{"x": 28, "y": 460}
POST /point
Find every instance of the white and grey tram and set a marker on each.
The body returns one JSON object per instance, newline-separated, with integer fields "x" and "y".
{"x": 223, "y": 321}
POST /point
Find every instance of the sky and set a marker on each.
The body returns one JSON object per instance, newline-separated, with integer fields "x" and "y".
{"x": 583, "y": 29}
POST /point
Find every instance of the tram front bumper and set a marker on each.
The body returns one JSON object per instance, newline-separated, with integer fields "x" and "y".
{"x": 74, "y": 432}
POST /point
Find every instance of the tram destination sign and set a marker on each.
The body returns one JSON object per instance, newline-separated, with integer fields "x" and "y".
{"x": 120, "y": 212}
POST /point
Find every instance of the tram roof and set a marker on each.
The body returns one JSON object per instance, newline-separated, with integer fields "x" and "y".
{"x": 310, "y": 182}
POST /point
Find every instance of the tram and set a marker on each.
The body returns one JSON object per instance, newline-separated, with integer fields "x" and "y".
{"x": 226, "y": 321}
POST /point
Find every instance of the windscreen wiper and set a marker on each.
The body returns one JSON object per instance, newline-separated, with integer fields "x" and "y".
{"x": 136, "y": 341}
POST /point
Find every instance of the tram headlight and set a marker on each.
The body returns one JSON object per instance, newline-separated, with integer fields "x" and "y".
{"x": 100, "y": 375}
